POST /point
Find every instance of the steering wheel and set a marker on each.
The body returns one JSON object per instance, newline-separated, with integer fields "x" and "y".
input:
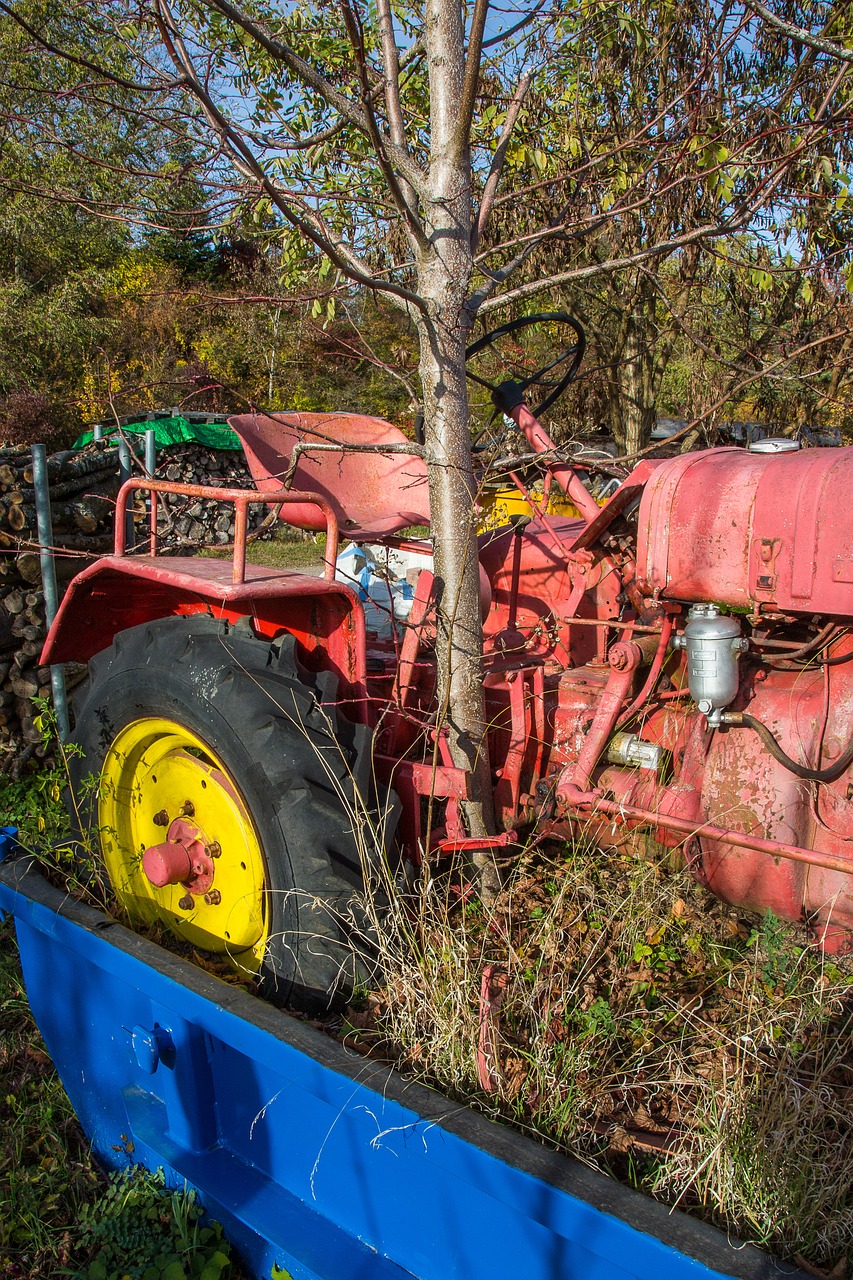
{"x": 509, "y": 394}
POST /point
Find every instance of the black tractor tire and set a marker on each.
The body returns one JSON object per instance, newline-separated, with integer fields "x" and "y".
{"x": 303, "y": 773}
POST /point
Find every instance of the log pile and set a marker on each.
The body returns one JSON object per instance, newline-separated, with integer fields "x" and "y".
{"x": 185, "y": 524}
{"x": 83, "y": 489}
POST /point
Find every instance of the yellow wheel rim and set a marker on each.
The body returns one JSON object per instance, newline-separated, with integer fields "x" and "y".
{"x": 156, "y": 768}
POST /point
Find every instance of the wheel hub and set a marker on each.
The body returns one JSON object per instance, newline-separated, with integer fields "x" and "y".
{"x": 182, "y": 858}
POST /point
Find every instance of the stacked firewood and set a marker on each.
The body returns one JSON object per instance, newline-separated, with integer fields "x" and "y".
{"x": 83, "y": 487}
{"x": 187, "y": 523}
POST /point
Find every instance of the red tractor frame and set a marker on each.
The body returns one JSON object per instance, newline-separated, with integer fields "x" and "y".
{"x": 677, "y": 661}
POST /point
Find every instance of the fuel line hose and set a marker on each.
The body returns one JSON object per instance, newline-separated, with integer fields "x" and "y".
{"x": 830, "y": 774}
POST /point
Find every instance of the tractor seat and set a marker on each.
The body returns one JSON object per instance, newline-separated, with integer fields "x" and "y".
{"x": 372, "y": 494}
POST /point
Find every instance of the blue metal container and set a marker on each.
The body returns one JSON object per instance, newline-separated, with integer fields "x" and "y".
{"x": 314, "y": 1159}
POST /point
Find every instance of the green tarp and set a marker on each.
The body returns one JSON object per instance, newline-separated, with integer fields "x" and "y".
{"x": 177, "y": 430}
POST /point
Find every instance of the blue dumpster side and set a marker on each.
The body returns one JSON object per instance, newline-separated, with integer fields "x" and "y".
{"x": 313, "y": 1158}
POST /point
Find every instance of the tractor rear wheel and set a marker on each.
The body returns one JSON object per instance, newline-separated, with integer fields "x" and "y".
{"x": 230, "y": 802}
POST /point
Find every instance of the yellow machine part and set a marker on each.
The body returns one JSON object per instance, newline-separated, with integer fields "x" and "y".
{"x": 499, "y": 505}
{"x": 157, "y": 767}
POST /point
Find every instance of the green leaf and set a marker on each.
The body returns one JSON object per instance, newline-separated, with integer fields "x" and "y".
{"x": 174, "y": 1271}
{"x": 280, "y": 1273}
{"x": 214, "y": 1267}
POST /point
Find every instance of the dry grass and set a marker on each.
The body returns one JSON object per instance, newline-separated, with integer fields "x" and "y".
{"x": 698, "y": 1052}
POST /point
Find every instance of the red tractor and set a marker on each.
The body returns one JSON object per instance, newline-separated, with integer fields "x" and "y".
{"x": 677, "y": 661}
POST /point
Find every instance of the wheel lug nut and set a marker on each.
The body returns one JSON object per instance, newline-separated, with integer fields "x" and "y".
{"x": 161, "y": 819}
{"x": 188, "y": 809}
{"x": 186, "y": 903}
{"x": 213, "y": 898}
{"x": 214, "y": 849}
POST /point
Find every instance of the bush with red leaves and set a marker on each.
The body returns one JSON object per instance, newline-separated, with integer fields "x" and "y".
{"x": 27, "y": 417}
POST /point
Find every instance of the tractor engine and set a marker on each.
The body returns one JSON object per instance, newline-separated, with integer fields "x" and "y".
{"x": 689, "y": 670}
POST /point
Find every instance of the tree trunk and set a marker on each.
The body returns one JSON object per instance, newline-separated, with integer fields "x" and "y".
{"x": 444, "y": 273}
{"x": 459, "y": 640}
{"x": 635, "y": 384}
{"x": 636, "y": 393}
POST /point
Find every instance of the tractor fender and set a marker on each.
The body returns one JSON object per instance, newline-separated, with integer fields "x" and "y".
{"x": 117, "y": 592}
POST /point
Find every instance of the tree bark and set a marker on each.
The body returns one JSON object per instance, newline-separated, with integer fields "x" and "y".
{"x": 636, "y": 388}
{"x": 445, "y": 267}
{"x": 635, "y": 380}
{"x": 459, "y": 641}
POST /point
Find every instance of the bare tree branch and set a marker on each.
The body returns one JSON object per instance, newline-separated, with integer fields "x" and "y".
{"x": 312, "y": 79}
{"x": 391, "y": 86}
{"x": 522, "y": 22}
{"x": 404, "y": 204}
{"x": 793, "y": 32}
{"x": 532, "y": 287}
{"x": 490, "y": 190}
{"x": 305, "y": 221}
{"x": 472, "y": 73}
{"x": 282, "y": 143}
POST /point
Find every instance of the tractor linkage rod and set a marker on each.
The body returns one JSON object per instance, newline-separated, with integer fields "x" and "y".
{"x": 644, "y": 817}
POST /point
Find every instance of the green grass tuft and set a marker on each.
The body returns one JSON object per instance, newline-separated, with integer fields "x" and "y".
{"x": 282, "y": 551}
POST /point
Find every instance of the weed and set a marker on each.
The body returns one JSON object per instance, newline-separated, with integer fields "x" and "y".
{"x": 138, "y": 1229}
{"x": 598, "y": 1019}
{"x": 774, "y": 1149}
{"x": 777, "y": 964}
{"x": 46, "y": 1175}
{"x": 34, "y": 803}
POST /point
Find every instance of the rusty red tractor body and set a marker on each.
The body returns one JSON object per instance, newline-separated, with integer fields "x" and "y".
{"x": 678, "y": 661}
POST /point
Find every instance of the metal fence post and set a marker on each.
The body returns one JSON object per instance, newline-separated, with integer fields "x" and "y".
{"x": 124, "y": 474}
{"x": 150, "y": 452}
{"x": 44, "y": 526}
